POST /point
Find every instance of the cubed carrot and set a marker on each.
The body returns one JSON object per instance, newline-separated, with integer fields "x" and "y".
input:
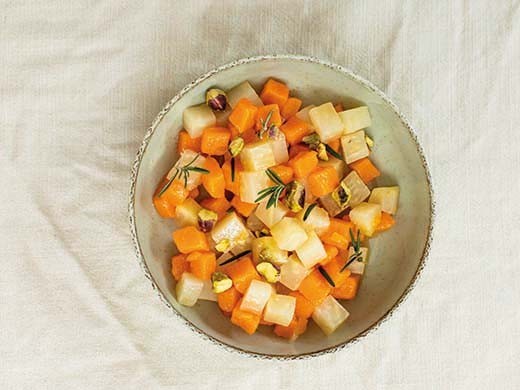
{"x": 281, "y": 289}
{"x": 348, "y": 289}
{"x": 303, "y": 163}
{"x": 297, "y": 327}
{"x": 250, "y": 135}
{"x": 338, "y": 233}
{"x": 179, "y": 266}
{"x": 315, "y": 287}
{"x": 214, "y": 181}
{"x": 243, "y": 116}
{"x": 215, "y": 141}
{"x": 387, "y": 221}
{"x": 202, "y": 264}
{"x": 194, "y": 193}
{"x": 163, "y": 208}
{"x": 189, "y": 239}
{"x": 274, "y": 92}
{"x": 297, "y": 148}
{"x": 232, "y": 183}
{"x": 185, "y": 142}
{"x": 338, "y": 107}
{"x": 242, "y": 272}
{"x": 346, "y": 218}
{"x": 295, "y": 129}
{"x": 247, "y": 321}
{"x": 365, "y": 169}
{"x": 304, "y": 307}
{"x": 323, "y": 181}
{"x": 332, "y": 252}
{"x": 285, "y": 172}
{"x": 291, "y": 107}
{"x": 218, "y": 205}
{"x": 243, "y": 208}
{"x": 333, "y": 268}
{"x": 262, "y": 114}
{"x": 166, "y": 203}
{"x": 228, "y": 299}
{"x": 335, "y": 144}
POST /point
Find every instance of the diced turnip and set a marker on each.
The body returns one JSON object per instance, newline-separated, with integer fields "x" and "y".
{"x": 207, "y": 293}
{"x": 318, "y": 219}
{"x": 222, "y": 258}
{"x": 222, "y": 117}
{"x": 257, "y": 156}
{"x": 232, "y": 229}
{"x": 355, "y": 119}
{"x": 280, "y": 309}
{"x": 266, "y": 249}
{"x": 243, "y": 91}
{"x": 279, "y": 147}
{"x": 289, "y": 233}
{"x": 272, "y": 215}
{"x": 188, "y": 289}
{"x": 303, "y": 114}
{"x": 256, "y": 297}
{"x": 309, "y": 196}
{"x": 358, "y": 267}
{"x": 354, "y": 146}
{"x": 187, "y": 213}
{"x": 197, "y": 118}
{"x": 386, "y": 197}
{"x": 196, "y": 160}
{"x": 358, "y": 191}
{"x": 366, "y": 216}
{"x": 335, "y": 163}
{"x": 326, "y": 121}
{"x": 329, "y": 315}
{"x": 251, "y": 183}
{"x": 254, "y": 223}
{"x": 311, "y": 251}
{"x": 292, "y": 273}
{"x": 243, "y": 245}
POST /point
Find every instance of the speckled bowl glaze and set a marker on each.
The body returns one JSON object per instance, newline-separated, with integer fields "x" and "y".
{"x": 396, "y": 257}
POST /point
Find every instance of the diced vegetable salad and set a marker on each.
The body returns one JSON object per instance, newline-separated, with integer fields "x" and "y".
{"x": 275, "y": 204}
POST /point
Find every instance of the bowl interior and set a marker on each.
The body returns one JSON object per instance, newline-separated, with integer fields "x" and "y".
{"x": 394, "y": 256}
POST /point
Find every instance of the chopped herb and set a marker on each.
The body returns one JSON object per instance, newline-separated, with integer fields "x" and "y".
{"x": 236, "y": 257}
{"x": 272, "y": 192}
{"x": 326, "y": 276}
{"x": 333, "y": 153}
{"x": 308, "y": 211}
{"x": 356, "y": 245}
{"x": 265, "y": 124}
{"x": 232, "y": 168}
{"x": 184, "y": 172}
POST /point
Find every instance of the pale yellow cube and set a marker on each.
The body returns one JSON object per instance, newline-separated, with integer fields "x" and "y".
{"x": 243, "y": 91}
{"x": 289, "y": 233}
{"x": 329, "y": 315}
{"x": 327, "y": 122}
{"x": 196, "y": 118}
{"x": 292, "y": 273}
{"x": 386, "y": 197}
{"x": 257, "y": 156}
{"x": 366, "y": 216}
{"x": 251, "y": 183}
{"x": 311, "y": 252}
{"x": 355, "y": 119}
{"x": 354, "y": 146}
{"x": 280, "y": 309}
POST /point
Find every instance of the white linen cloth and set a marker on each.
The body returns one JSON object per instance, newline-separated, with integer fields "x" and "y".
{"x": 80, "y": 81}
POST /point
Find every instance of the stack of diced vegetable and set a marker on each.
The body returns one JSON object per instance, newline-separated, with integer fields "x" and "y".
{"x": 275, "y": 204}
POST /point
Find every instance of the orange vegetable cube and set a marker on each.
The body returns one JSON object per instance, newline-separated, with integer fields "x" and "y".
{"x": 185, "y": 142}
{"x": 202, "y": 264}
{"x": 232, "y": 184}
{"x": 338, "y": 233}
{"x": 243, "y": 208}
{"x": 295, "y": 129}
{"x": 323, "y": 181}
{"x": 214, "y": 181}
{"x": 166, "y": 203}
{"x": 274, "y": 92}
{"x": 315, "y": 287}
{"x": 338, "y": 107}
{"x": 215, "y": 141}
{"x": 333, "y": 268}
{"x": 303, "y": 163}
{"x": 247, "y": 321}
{"x": 179, "y": 266}
{"x": 335, "y": 144}
{"x": 348, "y": 289}
{"x": 218, "y": 205}
{"x": 304, "y": 307}
{"x": 189, "y": 239}
{"x": 285, "y": 172}
{"x": 297, "y": 327}
{"x": 365, "y": 169}
{"x": 291, "y": 107}
{"x": 228, "y": 299}
{"x": 387, "y": 221}
{"x": 163, "y": 208}
{"x": 243, "y": 116}
{"x": 194, "y": 193}
{"x": 332, "y": 252}
{"x": 297, "y": 148}
{"x": 263, "y": 112}
{"x": 250, "y": 135}
{"x": 242, "y": 272}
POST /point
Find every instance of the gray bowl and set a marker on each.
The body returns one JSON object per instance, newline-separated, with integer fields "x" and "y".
{"x": 396, "y": 257}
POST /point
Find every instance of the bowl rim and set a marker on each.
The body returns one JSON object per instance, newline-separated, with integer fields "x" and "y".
{"x": 298, "y": 58}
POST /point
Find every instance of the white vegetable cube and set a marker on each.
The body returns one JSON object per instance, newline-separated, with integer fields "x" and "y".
{"x": 280, "y": 309}
{"x": 366, "y": 216}
{"x": 207, "y": 293}
{"x": 355, "y": 119}
{"x": 335, "y": 163}
{"x": 357, "y": 267}
{"x": 243, "y": 91}
{"x": 196, "y": 160}
{"x": 272, "y": 215}
{"x": 309, "y": 196}
{"x": 354, "y": 146}
{"x": 222, "y": 116}
{"x": 243, "y": 245}
{"x": 257, "y": 156}
{"x": 231, "y": 228}
{"x": 292, "y": 273}
{"x": 311, "y": 252}
{"x": 326, "y": 121}
{"x": 318, "y": 219}
{"x": 289, "y": 233}
{"x": 386, "y": 197}
{"x": 256, "y": 297}
{"x": 251, "y": 183}
{"x": 358, "y": 188}
{"x": 329, "y": 315}
{"x": 188, "y": 289}
{"x": 303, "y": 114}
{"x": 197, "y": 118}
{"x": 266, "y": 249}
{"x": 187, "y": 213}
{"x": 254, "y": 223}
{"x": 279, "y": 148}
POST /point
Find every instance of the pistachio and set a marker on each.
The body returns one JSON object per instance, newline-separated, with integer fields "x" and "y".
{"x": 223, "y": 246}
{"x": 313, "y": 140}
{"x": 220, "y": 282}
{"x": 295, "y": 196}
{"x": 236, "y": 146}
{"x": 342, "y": 195}
{"x": 268, "y": 271}
{"x": 216, "y": 99}
{"x": 322, "y": 152}
{"x": 369, "y": 141}
{"x": 206, "y": 219}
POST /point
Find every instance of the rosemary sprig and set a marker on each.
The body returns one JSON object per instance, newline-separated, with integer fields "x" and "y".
{"x": 333, "y": 153}
{"x": 326, "y": 276}
{"x": 356, "y": 245}
{"x": 272, "y": 192}
{"x": 265, "y": 124}
{"x": 183, "y": 172}
{"x": 308, "y": 211}
{"x": 236, "y": 257}
{"x": 232, "y": 168}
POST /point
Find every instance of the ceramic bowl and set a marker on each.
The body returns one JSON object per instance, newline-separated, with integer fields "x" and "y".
{"x": 396, "y": 257}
